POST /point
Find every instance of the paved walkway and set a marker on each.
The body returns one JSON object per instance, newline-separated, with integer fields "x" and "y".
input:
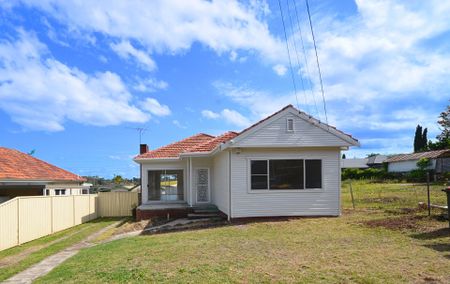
{"x": 46, "y": 265}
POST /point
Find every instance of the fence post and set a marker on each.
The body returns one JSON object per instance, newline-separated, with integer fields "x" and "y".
{"x": 351, "y": 194}
{"x": 73, "y": 208}
{"x": 18, "y": 221}
{"x": 51, "y": 213}
{"x": 428, "y": 193}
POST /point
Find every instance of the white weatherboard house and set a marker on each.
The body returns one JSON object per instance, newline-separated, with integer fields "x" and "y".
{"x": 287, "y": 164}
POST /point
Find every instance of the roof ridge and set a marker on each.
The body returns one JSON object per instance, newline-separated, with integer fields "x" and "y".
{"x": 209, "y": 141}
{"x": 180, "y": 141}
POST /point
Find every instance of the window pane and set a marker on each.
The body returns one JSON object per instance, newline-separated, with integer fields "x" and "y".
{"x": 259, "y": 167}
{"x": 313, "y": 173}
{"x": 259, "y": 182}
{"x": 286, "y": 174}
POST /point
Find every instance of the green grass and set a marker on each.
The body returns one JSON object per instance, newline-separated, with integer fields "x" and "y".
{"x": 303, "y": 250}
{"x": 390, "y": 195}
{"x": 61, "y": 240}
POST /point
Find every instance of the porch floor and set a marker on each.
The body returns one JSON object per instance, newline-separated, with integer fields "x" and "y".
{"x": 163, "y": 206}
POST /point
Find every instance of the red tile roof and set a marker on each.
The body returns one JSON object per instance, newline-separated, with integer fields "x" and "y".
{"x": 212, "y": 143}
{"x": 417, "y": 156}
{"x": 175, "y": 149}
{"x": 203, "y": 142}
{"x": 15, "y": 165}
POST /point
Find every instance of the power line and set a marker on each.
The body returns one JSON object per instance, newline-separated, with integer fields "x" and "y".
{"x": 296, "y": 53}
{"x": 305, "y": 57}
{"x": 317, "y": 60}
{"x": 289, "y": 54}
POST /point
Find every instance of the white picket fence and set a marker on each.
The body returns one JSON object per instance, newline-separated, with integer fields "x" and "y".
{"x": 24, "y": 219}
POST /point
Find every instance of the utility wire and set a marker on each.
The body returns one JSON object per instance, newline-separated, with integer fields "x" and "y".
{"x": 317, "y": 60}
{"x": 289, "y": 54}
{"x": 296, "y": 53}
{"x": 306, "y": 59}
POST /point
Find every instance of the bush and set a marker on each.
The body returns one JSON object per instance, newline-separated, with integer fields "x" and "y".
{"x": 365, "y": 174}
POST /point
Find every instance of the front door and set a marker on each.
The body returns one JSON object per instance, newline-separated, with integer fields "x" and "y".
{"x": 202, "y": 185}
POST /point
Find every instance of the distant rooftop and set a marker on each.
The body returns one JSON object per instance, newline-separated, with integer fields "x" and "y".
{"x": 417, "y": 156}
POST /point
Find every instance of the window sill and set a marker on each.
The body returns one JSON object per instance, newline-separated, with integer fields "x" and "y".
{"x": 309, "y": 190}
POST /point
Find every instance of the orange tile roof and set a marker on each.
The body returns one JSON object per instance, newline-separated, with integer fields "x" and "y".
{"x": 212, "y": 143}
{"x": 174, "y": 150}
{"x": 15, "y": 165}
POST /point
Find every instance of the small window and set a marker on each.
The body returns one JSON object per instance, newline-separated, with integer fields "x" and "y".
{"x": 47, "y": 192}
{"x": 313, "y": 172}
{"x": 290, "y": 125}
{"x": 63, "y": 192}
{"x": 57, "y": 192}
{"x": 84, "y": 191}
{"x": 259, "y": 175}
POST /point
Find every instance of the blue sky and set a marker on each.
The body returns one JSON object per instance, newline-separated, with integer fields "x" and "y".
{"x": 76, "y": 78}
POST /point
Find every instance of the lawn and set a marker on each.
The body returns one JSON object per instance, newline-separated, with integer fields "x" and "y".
{"x": 370, "y": 244}
{"x": 19, "y": 258}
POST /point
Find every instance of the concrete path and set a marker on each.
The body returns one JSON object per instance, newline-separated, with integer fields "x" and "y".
{"x": 46, "y": 265}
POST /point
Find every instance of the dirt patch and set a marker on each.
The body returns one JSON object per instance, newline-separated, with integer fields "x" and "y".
{"x": 409, "y": 222}
{"x": 132, "y": 226}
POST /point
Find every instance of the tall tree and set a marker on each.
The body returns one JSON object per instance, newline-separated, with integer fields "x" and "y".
{"x": 444, "y": 123}
{"x": 424, "y": 140}
{"x": 417, "y": 138}
{"x": 443, "y": 139}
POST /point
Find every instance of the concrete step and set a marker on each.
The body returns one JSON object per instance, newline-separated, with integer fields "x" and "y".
{"x": 203, "y": 215}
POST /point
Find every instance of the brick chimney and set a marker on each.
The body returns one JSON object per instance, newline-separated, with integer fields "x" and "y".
{"x": 143, "y": 148}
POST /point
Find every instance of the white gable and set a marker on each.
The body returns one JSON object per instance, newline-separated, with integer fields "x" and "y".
{"x": 307, "y": 133}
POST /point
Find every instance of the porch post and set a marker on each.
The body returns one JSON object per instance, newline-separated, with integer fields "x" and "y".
{"x": 190, "y": 182}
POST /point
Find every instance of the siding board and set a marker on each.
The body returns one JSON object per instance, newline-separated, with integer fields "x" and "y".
{"x": 272, "y": 203}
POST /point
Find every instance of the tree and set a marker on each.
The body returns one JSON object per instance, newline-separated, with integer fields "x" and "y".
{"x": 343, "y": 156}
{"x": 420, "y": 139}
{"x": 423, "y": 164}
{"x": 372, "y": 155}
{"x": 443, "y": 139}
{"x": 444, "y": 123}
{"x": 417, "y": 138}
{"x": 117, "y": 179}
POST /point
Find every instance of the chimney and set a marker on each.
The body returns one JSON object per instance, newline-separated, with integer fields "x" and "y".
{"x": 143, "y": 148}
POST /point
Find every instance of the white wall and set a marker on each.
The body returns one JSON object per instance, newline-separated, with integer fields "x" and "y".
{"x": 305, "y": 134}
{"x": 163, "y": 165}
{"x": 220, "y": 189}
{"x": 406, "y": 166}
{"x": 299, "y": 203}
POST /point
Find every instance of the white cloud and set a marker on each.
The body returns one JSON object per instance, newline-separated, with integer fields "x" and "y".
{"x": 150, "y": 85}
{"x": 172, "y": 25}
{"x": 210, "y": 114}
{"x": 178, "y": 124}
{"x": 125, "y": 50}
{"x": 280, "y": 69}
{"x": 40, "y": 93}
{"x": 230, "y": 116}
{"x": 155, "y": 108}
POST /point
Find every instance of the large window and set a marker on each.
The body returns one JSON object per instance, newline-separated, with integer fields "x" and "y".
{"x": 165, "y": 185}
{"x": 285, "y": 174}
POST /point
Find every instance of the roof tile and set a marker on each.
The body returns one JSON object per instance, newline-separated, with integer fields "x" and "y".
{"x": 15, "y": 165}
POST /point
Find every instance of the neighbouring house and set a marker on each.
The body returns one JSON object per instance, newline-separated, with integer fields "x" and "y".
{"x": 439, "y": 161}
{"x": 287, "y": 164}
{"x": 24, "y": 175}
{"x": 355, "y": 163}
{"x": 375, "y": 161}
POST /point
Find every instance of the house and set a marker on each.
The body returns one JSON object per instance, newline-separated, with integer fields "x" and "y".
{"x": 439, "y": 161}
{"x": 24, "y": 175}
{"x": 287, "y": 164}
{"x": 375, "y": 161}
{"x": 356, "y": 163}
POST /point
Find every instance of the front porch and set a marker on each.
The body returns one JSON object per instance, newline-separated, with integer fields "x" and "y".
{"x": 174, "y": 210}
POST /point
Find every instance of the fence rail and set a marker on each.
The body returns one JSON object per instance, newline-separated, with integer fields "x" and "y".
{"x": 24, "y": 219}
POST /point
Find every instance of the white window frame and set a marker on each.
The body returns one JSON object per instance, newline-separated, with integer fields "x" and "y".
{"x": 287, "y": 125}
{"x": 274, "y": 191}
